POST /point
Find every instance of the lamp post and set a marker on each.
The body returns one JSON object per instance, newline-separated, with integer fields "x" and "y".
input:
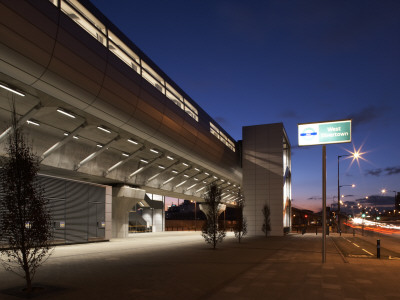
{"x": 395, "y": 193}
{"x": 355, "y": 155}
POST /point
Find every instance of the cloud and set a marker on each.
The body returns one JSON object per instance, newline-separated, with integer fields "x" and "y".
{"x": 367, "y": 115}
{"x": 314, "y": 198}
{"x": 387, "y": 171}
{"x": 375, "y": 172}
{"x": 392, "y": 170}
{"x": 221, "y": 120}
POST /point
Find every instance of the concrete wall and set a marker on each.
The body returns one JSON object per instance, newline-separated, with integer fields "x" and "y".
{"x": 263, "y": 172}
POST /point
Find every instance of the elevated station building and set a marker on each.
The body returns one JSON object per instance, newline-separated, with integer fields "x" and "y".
{"x": 115, "y": 133}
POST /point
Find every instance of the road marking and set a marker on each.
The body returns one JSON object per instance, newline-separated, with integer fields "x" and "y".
{"x": 367, "y": 252}
{"x": 391, "y": 257}
{"x": 357, "y": 255}
{"x": 347, "y": 240}
{"x": 356, "y": 245}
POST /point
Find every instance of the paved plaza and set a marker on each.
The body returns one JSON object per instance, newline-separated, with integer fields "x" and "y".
{"x": 180, "y": 265}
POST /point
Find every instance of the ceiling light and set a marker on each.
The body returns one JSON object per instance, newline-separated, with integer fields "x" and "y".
{"x": 104, "y": 129}
{"x": 186, "y": 175}
{"x": 200, "y": 189}
{"x": 154, "y": 151}
{"x": 125, "y": 154}
{"x": 132, "y": 141}
{"x": 66, "y": 133}
{"x": 181, "y": 183}
{"x": 33, "y": 122}
{"x": 145, "y": 161}
{"x": 76, "y": 137}
{"x": 170, "y": 157}
{"x": 198, "y": 170}
{"x": 137, "y": 171}
{"x": 206, "y": 173}
{"x": 100, "y": 146}
{"x": 68, "y": 114}
{"x": 161, "y": 167}
{"x": 195, "y": 179}
{"x": 165, "y": 182}
{"x": 11, "y": 90}
{"x": 215, "y": 177}
{"x": 191, "y": 186}
{"x": 185, "y": 164}
{"x": 204, "y": 181}
{"x": 174, "y": 171}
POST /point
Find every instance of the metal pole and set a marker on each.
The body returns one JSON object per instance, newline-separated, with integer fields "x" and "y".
{"x": 323, "y": 203}
{"x": 338, "y": 194}
{"x": 195, "y": 210}
{"x": 378, "y": 248}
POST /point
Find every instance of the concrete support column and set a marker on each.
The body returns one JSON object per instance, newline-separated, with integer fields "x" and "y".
{"x": 124, "y": 198}
{"x": 108, "y": 213}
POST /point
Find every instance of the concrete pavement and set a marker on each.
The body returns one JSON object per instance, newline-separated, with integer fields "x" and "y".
{"x": 180, "y": 265}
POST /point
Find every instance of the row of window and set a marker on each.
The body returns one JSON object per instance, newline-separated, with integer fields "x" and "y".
{"x": 222, "y": 137}
{"x": 95, "y": 28}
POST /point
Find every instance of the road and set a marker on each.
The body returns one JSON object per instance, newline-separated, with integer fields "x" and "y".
{"x": 361, "y": 248}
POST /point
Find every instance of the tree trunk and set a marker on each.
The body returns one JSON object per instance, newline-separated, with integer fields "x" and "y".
{"x": 28, "y": 278}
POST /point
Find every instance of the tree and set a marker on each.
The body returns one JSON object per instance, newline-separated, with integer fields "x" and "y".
{"x": 240, "y": 228}
{"x": 25, "y": 221}
{"x": 211, "y": 231}
{"x": 266, "y": 227}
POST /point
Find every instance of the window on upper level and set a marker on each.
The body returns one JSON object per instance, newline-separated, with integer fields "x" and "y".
{"x": 121, "y": 50}
{"x": 174, "y": 96}
{"x": 151, "y": 76}
{"x": 222, "y": 137}
{"x": 191, "y": 110}
{"x": 80, "y": 15}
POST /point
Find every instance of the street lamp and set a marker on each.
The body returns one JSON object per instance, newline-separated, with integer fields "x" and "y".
{"x": 383, "y": 191}
{"x": 356, "y": 155}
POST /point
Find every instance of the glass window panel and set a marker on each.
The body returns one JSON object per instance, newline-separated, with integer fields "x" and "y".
{"x": 123, "y": 56}
{"x": 78, "y": 18}
{"x": 175, "y": 100}
{"x": 174, "y": 92}
{"x": 121, "y": 45}
{"x": 215, "y": 128}
{"x": 190, "y": 107}
{"x": 153, "y": 81}
{"x": 55, "y": 2}
{"x": 88, "y": 15}
{"x": 153, "y": 73}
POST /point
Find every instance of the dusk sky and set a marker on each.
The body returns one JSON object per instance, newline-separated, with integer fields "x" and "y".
{"x": 259, "y": 62}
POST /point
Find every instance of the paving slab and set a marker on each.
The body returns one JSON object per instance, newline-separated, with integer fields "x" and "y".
{"x": 180, "y": 265}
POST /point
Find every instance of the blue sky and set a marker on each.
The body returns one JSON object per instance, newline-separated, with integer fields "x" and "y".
{"x": 258, "y": 62}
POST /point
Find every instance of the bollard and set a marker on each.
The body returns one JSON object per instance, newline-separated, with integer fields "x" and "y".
{"x": 378, "y": 248}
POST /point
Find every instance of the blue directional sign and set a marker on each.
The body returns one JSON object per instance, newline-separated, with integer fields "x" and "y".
{"x": 331, "y": 132}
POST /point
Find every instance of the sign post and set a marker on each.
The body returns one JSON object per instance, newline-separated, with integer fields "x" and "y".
{"x": 323, "y": 133}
